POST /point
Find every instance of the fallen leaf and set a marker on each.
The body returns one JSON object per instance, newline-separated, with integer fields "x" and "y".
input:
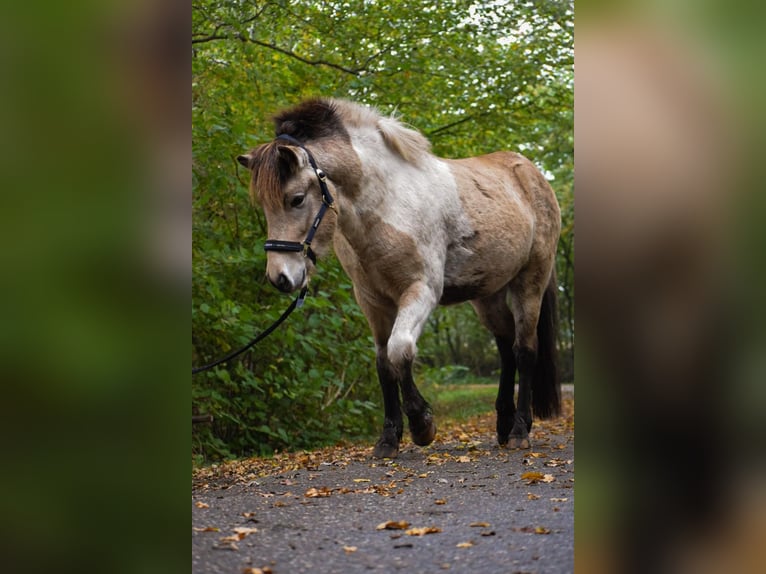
{"x": 532, "y": 476}
{"x": 465, "y": 544}
{"x": 207, "y": 529}
{"x": 479, "y": 524}
{"x": 349, "y": 549}
{"x": 440, "y": 501}
{"x": 361, "y": 480}
{"x": 423, "y": 530}
{"x": 318, "y": 492}
{"x": 200, "y": 504}
{"x": 531, "y": 496}
{"x": 393, "y": 525}
{"x": 542, "y": 530}
{"x": 559, "y": 499}
{"x": 244, "y": 530}
{"x": 464, "y": 458}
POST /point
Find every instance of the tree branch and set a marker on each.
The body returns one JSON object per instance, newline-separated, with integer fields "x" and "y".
{"x": 456, "y": 123}
{"x": 243, "y": 38}
{"x": 300, "y": 58}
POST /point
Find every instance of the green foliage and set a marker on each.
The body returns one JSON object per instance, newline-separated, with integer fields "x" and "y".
{"x": 474, "y": 77}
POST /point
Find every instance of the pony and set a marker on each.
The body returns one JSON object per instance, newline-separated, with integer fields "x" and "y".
{"x": 414, "y": 231}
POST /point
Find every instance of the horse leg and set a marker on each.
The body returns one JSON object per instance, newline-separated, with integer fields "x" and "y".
{"x": 526, "y": 298}
{"x": 415, "y": 305}
{"x": 388, "y": 443}
{"x": 494, "y": 314}
{"x": 381, "y": 319}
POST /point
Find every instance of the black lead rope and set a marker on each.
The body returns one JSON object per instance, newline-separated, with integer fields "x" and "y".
{"x": 297, "y": 303}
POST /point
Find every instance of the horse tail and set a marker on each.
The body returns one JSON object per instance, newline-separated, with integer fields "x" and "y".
{"x": 546, "y": 387}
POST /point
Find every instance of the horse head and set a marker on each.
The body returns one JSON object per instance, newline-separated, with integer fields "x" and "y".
{"x": 294, "y": 195}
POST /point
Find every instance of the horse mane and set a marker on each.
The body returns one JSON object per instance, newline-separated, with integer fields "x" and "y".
{"x": 325, "y": 119}
{"x": 311, "y": 120}
{"x": 407, "y": 143}
{"x": 321, "y": 118}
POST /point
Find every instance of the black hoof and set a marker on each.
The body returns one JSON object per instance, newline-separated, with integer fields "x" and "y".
{"x": 519, "y": 443}
{"x": 424, "y": 433}
{"x": 385, "y": 450}
{"x": 503, "y": 430}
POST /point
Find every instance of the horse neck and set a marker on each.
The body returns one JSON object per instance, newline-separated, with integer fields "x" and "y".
{"x": 389, "y": 189}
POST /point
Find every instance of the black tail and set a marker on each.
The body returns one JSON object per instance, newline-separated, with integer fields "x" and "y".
{"x": 546, "y": 388}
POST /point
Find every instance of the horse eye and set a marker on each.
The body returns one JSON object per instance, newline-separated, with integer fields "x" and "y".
{"x": 297, "y": 201}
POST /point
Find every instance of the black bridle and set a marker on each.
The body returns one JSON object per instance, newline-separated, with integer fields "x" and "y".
{"x": 327, "y": 202}
{"x": 294, "y": 246}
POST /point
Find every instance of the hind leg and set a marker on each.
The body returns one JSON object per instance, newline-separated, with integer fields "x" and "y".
{"x": 526, "y": 297}
{"x": 494, "y": 314}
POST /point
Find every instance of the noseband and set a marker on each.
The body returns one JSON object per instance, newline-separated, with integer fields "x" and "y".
{"x": 327, "y": 202}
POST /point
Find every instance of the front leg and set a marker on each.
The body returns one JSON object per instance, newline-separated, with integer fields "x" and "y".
{"x": 396, "y": 330}
{"x": 415, "y": 305}
{"x": 416, "y": 408}
{"x": 388, "y": 443}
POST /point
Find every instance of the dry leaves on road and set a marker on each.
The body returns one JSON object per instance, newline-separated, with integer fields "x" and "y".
{"x": 460, "y": 436}
{"x": 393, "y": 525}
{"x": 533, "y": 477}
{"x": 422, "y": 531}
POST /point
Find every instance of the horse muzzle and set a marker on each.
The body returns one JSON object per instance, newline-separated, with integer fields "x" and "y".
{"x": 288, "y": 278}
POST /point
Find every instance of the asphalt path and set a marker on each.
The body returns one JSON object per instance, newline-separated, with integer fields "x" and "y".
{"x": 462, "y": 503}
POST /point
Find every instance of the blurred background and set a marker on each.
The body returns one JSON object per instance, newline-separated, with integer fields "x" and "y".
{"x": 670, "y": 299}
{"x": 97, "y": 190}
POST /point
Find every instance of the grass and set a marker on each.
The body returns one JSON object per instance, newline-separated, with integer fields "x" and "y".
{"x": 458, "y": 402}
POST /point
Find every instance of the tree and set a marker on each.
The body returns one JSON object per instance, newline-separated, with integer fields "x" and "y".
{"x": 474, "y": 77}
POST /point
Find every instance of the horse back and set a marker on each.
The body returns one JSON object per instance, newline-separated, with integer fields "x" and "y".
{"x": 514, "y": 220}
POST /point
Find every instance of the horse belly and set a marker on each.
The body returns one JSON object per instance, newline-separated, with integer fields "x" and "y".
{"x": 470, "y": 276}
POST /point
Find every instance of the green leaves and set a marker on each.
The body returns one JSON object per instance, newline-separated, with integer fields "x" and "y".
{"x": 474, "y": 77}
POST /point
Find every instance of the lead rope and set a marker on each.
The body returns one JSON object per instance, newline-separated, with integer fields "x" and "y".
{"x": 276, "y": 245}
{"x": 296, "y": 304}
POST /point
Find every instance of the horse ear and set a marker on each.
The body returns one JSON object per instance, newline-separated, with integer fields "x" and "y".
{"x": 291, "y": 158}
{"x": 245, "y": 160}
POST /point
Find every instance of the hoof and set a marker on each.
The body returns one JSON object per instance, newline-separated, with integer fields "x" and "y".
{"x": 502, "y": 440}
{"x": 385, "y": 450}
{"x": 519, "y": 442}
{"x": 425, "y": 436}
